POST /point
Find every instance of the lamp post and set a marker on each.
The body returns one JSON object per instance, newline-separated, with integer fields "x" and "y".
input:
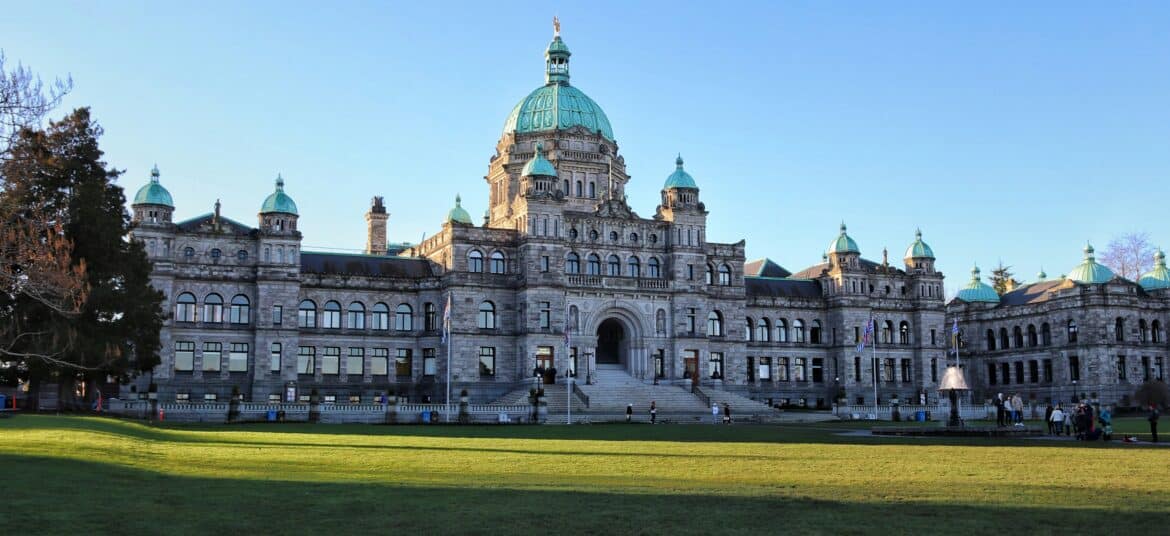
{"x": 1075, "y": 398}
{"x": 152, "y": 397}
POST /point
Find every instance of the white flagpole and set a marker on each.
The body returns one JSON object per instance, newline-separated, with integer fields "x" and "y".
{"x": 568, "y": 374}
{"x": 876, "y": 364}
{"x": 447, "y": 314}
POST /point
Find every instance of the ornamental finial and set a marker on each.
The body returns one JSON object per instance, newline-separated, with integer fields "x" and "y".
{"x": 556, "y": 26}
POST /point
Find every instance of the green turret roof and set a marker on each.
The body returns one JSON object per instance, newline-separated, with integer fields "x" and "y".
{"x": 458, "y": 214}
{"x": 1089, "y": 271}
{"x": 843, "y": 244}
{"x": 557, "y": 105}
{"x": 1159, "y": 277}
{"x": 919, "y": 249}
{"x": 153, "y": 193}
{"x": 977, "y": 290}
{"x": 680, "y": 178}
{"x": 278, "y": 201}
{"x": 539, "y": 165}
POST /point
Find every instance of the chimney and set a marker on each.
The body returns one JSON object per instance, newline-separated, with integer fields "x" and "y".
{"x": 376, "y": 227}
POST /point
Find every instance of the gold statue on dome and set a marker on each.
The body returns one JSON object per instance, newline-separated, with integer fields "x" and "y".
{"x": 556, "y": 25}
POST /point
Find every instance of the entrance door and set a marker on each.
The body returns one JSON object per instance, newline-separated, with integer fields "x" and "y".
{"x": 691, "y": 364}
{"x": 609, "y": 341}
{"x": 544, "y": 363}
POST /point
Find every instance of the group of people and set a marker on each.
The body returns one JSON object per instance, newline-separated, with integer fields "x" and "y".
{"x": 1009, "y": 410}
{"x": 1088, "y": 424}
{"x": 653, "y": 412}
{"x": 715, "y": 413}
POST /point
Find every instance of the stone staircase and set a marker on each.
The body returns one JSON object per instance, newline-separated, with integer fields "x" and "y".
{"x": 740, "y": 406}
{"x": 554, "y": 397}
{"x": 613, "y": 388}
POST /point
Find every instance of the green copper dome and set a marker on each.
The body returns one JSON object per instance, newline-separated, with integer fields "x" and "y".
{"x": 919, "y": 249}
{"x": 977, "y": 290}
{"x": 279, "y": 201}
{"x": 539, "y": 165}
{"x": 557, "y": 105}
{"x": 1089, "y": 271}
{"x": 458, "y": 214}
{"x": 1159, "y": 277}
{"x": 843, "y": 244}
{"x": 153, "y": 193}
{"x": 680, "y": 178}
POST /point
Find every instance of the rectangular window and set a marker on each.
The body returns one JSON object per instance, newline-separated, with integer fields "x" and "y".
{"x": 355, "y": 362}
{"x": 905, "y": 370}
{"x": 402, "y": 363}
{"x": 274, "y": 351}
{"x": 330, "y": 399}
{"x": 818, "y": 370}
{"x": 210, "y": 398}
{"x": 1158, "y": 368}
{"x": 888, "y": 370}
{"x": 429, "y": 362}
{"x": 932, "y": 338}
{"x": 1034, "y": 371}
{"x": 355, "y": 399}
{"x": 306, "y": 317}
{"x": 274, "y": 398}
{"x": 715, "y": 365}
{"x": 544, "y": 263}
{"x": 1121, "y": 367}
{"x": 238, "y": 358}
{"x": 355, "y": 318}
{"x": 1005, "y": 373}
{"x": 331, "y": 361}
{"x": 182, "y": 398}
{"x": 992, "y": 375}
{"x": 765, "y": 369}
{"x": 1019, "y": 372}
{"x": 1074, "y": 368}
{"x": 545, "y": 315}
{"x": 1048, "y": 370}
{"x": 751, "y": 369}
{"x": 331, "y": 318}
{"x": 277, "y": 315}
{"x": 934, "y": 370}
{"x": 306, "y": 360}
{"x": 1145, "y": 368}
{"x": 211, "y": 356}
{"x": 856, "y": 335}
{"x": 184, "y": 356}
{"x": 691, "y": 313}
{"x": 690, "y": 272}
{"x": 782, "y": 369}
{"x": 487, "y": 361}
{"x": 380, "y": 318}
{"x": 380, "y": 362}
{"x": 799, "y": 369}
{"x": 856, "y": 367}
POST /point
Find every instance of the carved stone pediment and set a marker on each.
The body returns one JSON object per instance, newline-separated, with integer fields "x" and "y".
{"x": 615, "y": 208}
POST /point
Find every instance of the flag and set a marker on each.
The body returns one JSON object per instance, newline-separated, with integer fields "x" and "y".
{"x": 447, "y": 319}
{"x": 865, "y": 336}
{"x": 955, "y": 333}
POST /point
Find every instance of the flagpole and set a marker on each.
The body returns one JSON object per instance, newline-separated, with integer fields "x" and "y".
{"x": 568, "y": 374}
{"x": 447, "y": 326}
{"x": 955, "y": 343}
{"x": 876, "y": 372}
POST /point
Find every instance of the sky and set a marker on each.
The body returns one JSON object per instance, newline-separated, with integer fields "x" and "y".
{"x": 1006, "y": 131}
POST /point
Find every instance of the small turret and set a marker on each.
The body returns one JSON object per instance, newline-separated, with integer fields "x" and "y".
{"x": 278, "y": 213}
{"x": 376, "y": 227}
{"x": 457, "y": 215}
{"x": 153, "y": 204}
{"x": 919, "y": 255}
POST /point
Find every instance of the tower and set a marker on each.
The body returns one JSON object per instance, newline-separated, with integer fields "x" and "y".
{"x": 376, "y": 227}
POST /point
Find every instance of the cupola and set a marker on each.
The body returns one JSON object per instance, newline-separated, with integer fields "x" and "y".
{"x": 153, "y": 203}
{"x": 1089, "y": 271}
{"x": 680, "y": 191}
{"x": 977, "y": 290}
{"x": 457, "y": 214}
{"x": 278, "y": 213}
{"x": 919, "y": 255}
{"x": 1159, "y": 277}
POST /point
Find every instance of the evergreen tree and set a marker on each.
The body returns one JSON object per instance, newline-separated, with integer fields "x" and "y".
{"x": 1002, "y": 280}
{"x": 115, "y": 332}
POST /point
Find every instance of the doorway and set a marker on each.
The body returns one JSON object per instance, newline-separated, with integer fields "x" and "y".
{"x": 610, "y": 335}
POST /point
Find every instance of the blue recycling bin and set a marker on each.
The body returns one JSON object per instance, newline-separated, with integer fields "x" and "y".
{"x": 271, "y": 415}
{"x": 920, "y": 416}
{"x": 426, "y": 417}
{"x": 3, "y": 401}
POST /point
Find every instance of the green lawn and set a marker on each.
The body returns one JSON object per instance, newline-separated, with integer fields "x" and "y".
{"x": 90, "y": 475}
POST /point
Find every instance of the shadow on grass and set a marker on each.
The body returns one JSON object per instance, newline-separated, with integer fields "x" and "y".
{"x": 815, "y": 433}
{"x": 66, "y": 496}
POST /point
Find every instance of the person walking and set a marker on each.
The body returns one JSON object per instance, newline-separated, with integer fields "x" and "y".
{"x": 629, "y": 412}
{"x": 653, "y": 412}
{"x": 1017, "y": 410}
{"x": 714, "y": 413}
{"x": 1105, "y": 419}
{"x": 1056, "y": 421}
{"x": 726, "y": 413}
{"x": 1000, "y": 410}
{"x": 1048, "y": 417}
{"x": 1067, "y": 424}
{"x": 1153, "y": 418}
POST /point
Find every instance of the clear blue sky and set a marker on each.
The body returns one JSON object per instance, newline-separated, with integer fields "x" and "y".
{"x": 1006, "y": 130}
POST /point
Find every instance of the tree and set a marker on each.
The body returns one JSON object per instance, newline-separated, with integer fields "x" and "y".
{"x": 1002, "y": 280}
{"x": 1153, "y": 392}
{"x": 1129, "y": 255}
{"x": 115, "y": 330}
{"x": 24, "y": 102}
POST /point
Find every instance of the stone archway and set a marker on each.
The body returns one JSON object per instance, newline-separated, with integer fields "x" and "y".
{"x": 612, "y": 343}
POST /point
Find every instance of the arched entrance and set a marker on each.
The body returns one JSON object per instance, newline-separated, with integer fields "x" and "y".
{"x": 610, "y": 336}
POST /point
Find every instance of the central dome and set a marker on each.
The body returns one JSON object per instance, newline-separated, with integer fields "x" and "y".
{"x": 557, "y": 105}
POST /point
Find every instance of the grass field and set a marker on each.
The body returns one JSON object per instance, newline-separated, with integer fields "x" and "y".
{"x": 92, "y": 475}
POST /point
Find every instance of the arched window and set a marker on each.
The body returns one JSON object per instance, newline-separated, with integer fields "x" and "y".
{"x": 1004, "y": 342}
{"x": 216, "y": 253}
{"x": 1155, "y": 331}
{"x": 1143, "y": 331}
{"x": 904, "y": 332}
{"x": 653, "y": 270}
{"x": 572, "y": 263}
{"x": 724, "y": 275}
{"x": 331, "y": 318}
{"x": 1119, "y": 329}
{"x": 241, "y": 311}
{"x": 185, "y": 308}
{"x": 355, "y": 316}
{"x": 749, "y": 329}
{"x": 592, "y": 190}
{"x": 475, "y": 261}
{"x": 764, "y": 330}
{"x": 307, "y": 314}
{"x": 1017, "y": 337}
{"x": 403, "y": 318}
{"x": 991, "y": 340}
{"x": 781, "y": 330}
{"x": 380, "y": 317}
{"x": 714, "y": 324}
{"x": 798, "y": 330}
{"x": 580, "y": 189}
{"x": 888, "y": 332}
{"x": 1033, "y": 340}
{"x": 593, "y": 264}
{"x": 487, "y": 316}
{"x": 241, "y": 255}
{"x": 814, "y": 332}
{"x": 1072, "y": 331}
{"x": 1045, "y": 334}
{"x": 633, "y": 267}
{"x": 709, "y": 276}
{"x": 430, "y": 317}
{"x": 613, "y": 265}
{"x": 213, "y": 308}
{"x": 498, "y": 266}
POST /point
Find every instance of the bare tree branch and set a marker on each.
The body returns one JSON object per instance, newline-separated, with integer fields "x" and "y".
{"x": 1129, "y": 255}
{"x": 24, "y": 101}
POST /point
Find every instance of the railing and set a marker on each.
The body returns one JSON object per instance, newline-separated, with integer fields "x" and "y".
{"x": 938, "y": 412}
{"x": 653, "y": 283}
{"x": 368, "y": 413}
{"x": 585, "y": 280}
{"x": 698, "y": 391}
{"x": 615, "y": 281}
{"x": 580, "y": 394}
